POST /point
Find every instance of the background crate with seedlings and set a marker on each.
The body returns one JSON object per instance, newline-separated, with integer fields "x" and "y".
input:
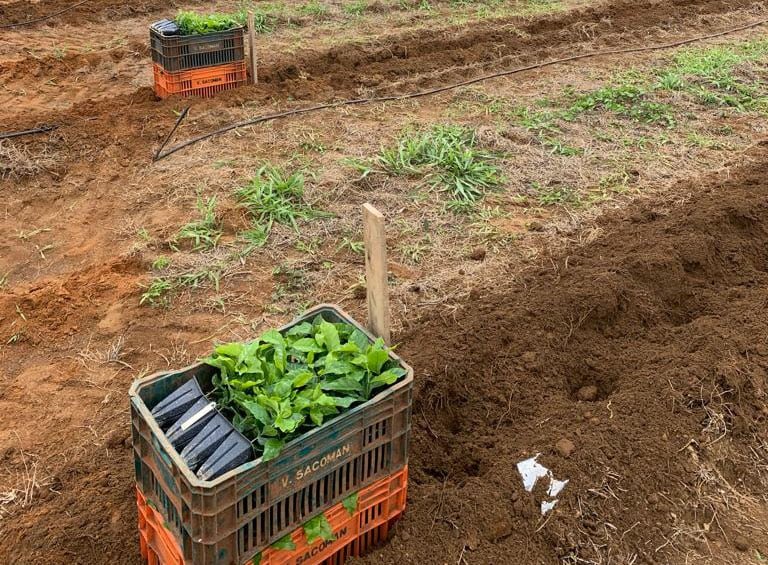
{"x": 197, "y": 62}
{"x": 182, "y": 52}
{"x": 234, "y": 517}
{"x": 354, "y": 526}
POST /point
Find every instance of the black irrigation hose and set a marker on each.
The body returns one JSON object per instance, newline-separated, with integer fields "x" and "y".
{"x": 48, "y": 17}
{"x": 170, "y": 133}
{"x": 41, "y": 129}
{"x": 161, "y": 155}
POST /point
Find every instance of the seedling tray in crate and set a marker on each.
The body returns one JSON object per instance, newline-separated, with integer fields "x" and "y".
{"x": 181, "y": 52}
{"x": 354, "y": 532}
{"x": 234, "y": 517}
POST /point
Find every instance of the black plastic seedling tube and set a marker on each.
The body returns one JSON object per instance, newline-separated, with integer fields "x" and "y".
{"x": 233, "y": 452}
{"x": 206, "y": 442}
{"x": 191, "y": 423}
{"x": 173, "y": 406}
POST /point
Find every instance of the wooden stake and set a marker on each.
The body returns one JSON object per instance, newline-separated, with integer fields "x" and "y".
{"x": 376, "y": 272}
{"x": 252, "y": 47}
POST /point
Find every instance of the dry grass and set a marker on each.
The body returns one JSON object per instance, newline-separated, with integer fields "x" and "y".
{"x": 18, "y": 161}
{"x": 22, "y": 486}
{"x": 114, "y": 353}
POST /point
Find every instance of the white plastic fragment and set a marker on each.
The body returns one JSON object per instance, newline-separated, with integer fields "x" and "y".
{"x": 555, "y": 486}
{"x": 547, "y": 505}
{"x": 531, "y": 471}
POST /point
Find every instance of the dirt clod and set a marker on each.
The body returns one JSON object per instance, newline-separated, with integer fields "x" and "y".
{"x": 565, "y": 447}
{"x": 117, "y": 438}
{"x": 587, "y": 393}
{"x": 477, "y": 254}
{"x": 741, "y": 543}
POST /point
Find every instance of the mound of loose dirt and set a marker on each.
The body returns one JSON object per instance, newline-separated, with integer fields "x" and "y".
{"x": 635, "y": 364}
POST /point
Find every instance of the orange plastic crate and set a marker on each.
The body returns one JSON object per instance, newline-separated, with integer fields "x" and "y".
{"x": 378, "y": 507}
{"x": 155, "y": 542}
{"x": 204, "y": 82}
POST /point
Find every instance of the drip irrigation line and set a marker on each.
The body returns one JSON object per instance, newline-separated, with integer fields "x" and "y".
{"x": 170, "y": 133}
{"x": 379, "y": 99}
{"x": 42, "y": 19}
{"x": 41, "y": 129}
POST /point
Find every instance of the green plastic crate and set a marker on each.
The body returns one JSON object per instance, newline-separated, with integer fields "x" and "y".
{"x": 182, "y": 52}
{"x": 229, "y": 520}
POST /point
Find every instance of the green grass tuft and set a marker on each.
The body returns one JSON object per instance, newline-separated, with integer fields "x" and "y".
{"x": 157, "y": 292}
{"x": 275, "y": 196}
{"x": 449, "y": 156}
{"x": 161, "y": 263}
{"x": 205, "y": 232}
{"x": 355, "y": 8}
{"x": 314, "y": 8}
{"x": 551, "y": 196}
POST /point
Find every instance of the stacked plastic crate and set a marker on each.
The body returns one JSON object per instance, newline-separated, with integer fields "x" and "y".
{"x": 352, "y": 470}
{"x": 196, "y": 65}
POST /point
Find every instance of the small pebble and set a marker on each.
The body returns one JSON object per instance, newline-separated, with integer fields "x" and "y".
{"x": 477, "y": 254}
{"x": 587, "y": 393}
{"x": 741, "y": 543}
{"x": 565, "y": 447}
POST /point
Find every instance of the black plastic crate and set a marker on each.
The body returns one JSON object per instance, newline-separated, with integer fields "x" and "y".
{"x": 230, "y": 519}
{"x": 180, "y": 52}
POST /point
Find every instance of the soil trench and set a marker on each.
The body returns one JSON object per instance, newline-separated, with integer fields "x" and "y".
{"x": 394, "y": 64}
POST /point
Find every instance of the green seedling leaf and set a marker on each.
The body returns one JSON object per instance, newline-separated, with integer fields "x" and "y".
{"x": 301, "y": 378}
{"x": 243, "y": 385}
{"x": 317, "y": 415}
{"x": 226, "y": 366}
{"x": 388, "y": 377}
{"x": 345, "y": 401}
{"x": 349, "y": 347}
{"x": 275, "y": 338}
{"x": 335, "y": 366}
{"x": 304, "y": 329}
{"x": 330, "y": 335}
{"x": 230, "y": 349}
{"x": 289, "y": 424}
{"x": 306, "y": 345}
{"x": 256, "y": 559}
{"x": 344, "y": 384}
{"x": 269, "y": 403}
{"x": 376, "y": 357}
{"x": 283, "y": 388}
{"x": 360, "y": 339}
{"x": 272, "y": 448}
{"x": 257, "y": 411}
{"x": 318, "y": 528}
{"x": 350, "y": 503}
{"x": 285, "y": 542}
